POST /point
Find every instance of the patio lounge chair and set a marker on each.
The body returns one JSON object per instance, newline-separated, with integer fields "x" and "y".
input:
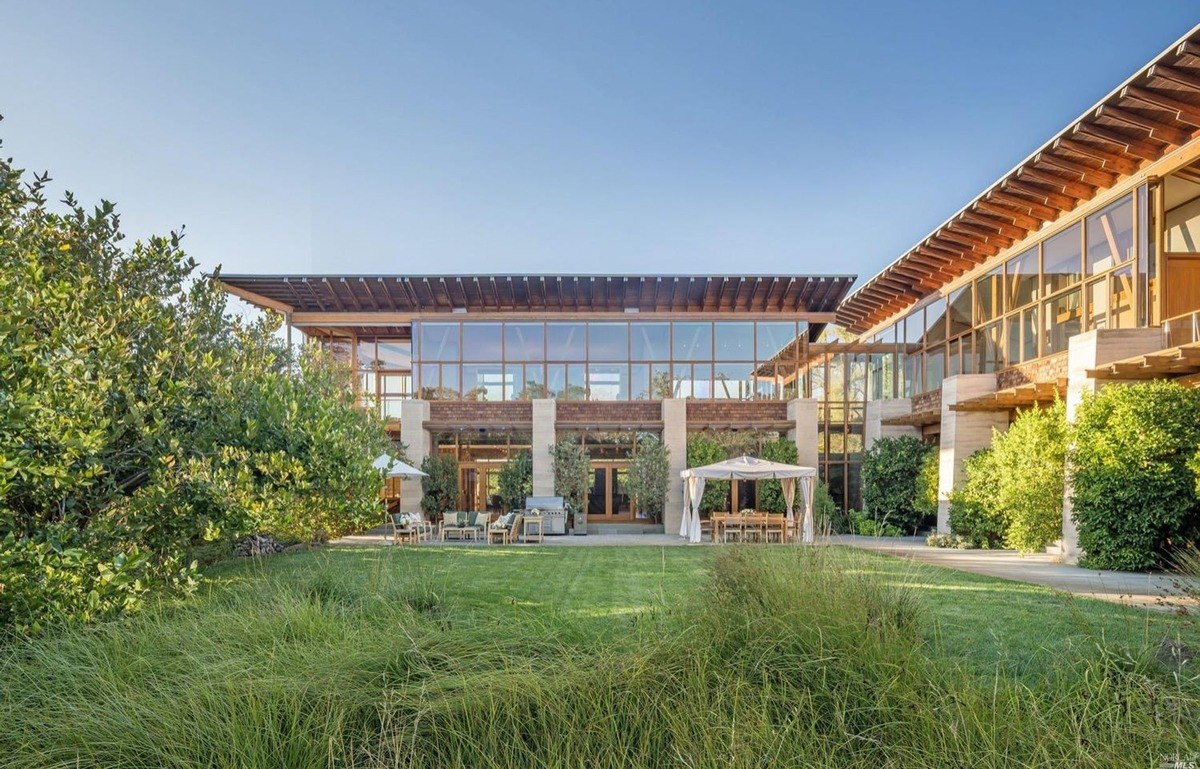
{"x": 405, "y": 528}
{"x": 507, "y": 529}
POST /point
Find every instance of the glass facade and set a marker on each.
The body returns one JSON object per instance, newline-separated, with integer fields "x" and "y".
{"x": 1082, "y": 277}
{"x": 606, "y": 360}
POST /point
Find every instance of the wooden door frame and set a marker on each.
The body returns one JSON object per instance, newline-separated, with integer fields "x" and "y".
{"x": 609, "y": 466}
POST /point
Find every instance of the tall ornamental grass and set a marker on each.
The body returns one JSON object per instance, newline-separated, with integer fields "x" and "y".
{"x": 786, "y": 657}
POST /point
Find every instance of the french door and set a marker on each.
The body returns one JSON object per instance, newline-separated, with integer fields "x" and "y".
{"x": 608, "y": 495}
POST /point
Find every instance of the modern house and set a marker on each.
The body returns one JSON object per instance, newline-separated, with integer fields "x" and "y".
{"x": 485, "y": 365}
{"x": 1079, "y": 266}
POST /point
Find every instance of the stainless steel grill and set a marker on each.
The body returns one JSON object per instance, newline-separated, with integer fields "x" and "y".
{"x": 553, "y": 511}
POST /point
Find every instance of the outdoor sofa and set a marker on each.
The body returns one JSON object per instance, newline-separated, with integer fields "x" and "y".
{"x": 462, "y": 525}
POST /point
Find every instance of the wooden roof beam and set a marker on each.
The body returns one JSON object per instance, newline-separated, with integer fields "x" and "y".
{"x": 1077, "y": 190}
{"x": 1139, "y": 148}
{"x": 1015, "y": 198}
{"x": 1053, "y": 199}
{"x": 1158, "y": 129}
{"x": 1024, "y": 221}
{"x": 992, "y": 225}
{"x": 1176, "y": 76}
{"x": 1093, "y": 176}
{"x": 1184, "y": 111}
{"x": 1115, "y": 160}
{"x": 970, "y": 241}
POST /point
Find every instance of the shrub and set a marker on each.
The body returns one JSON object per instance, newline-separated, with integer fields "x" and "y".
{"x": 827, "y": 516}
{"x": 516, "y": 480}
{"x": 703, "y": 450}
{"x": 440, "y": 484}
{"x": 974, "y": 514}
{"x": 891, "y": 481}
{"x": 926, "y": 501}
{"x": 770, "y": 493}
{"x": 1134, "y": 495}
{"x": 650, "y": 476}
{"x": 1029, "y": 474}
{"x": 864, "y": 524}
{"x": 138, "y": 422}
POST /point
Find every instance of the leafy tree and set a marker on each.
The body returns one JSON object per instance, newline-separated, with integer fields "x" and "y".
{"x": 138, "y": 421}
{"x": 1134, "y": 494}
{"x": 516, "y": 480}
{"x": 770, "y": 493}
{"x": 650, "y": 476}
{"x": 439, "y": 486}
{"x": 703, "y": 450}
{"x": 571, "y": 473}
{"x": 826, "y": 514}
{"x": 891, "y": 476}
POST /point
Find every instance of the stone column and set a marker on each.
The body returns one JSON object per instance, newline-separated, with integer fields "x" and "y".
{"x": 889, "y": 408}
{"x": 413, "y": 415}
{"x": 1085, "y": 351}
{"x": 802, "y": 414}
{"x": 674, "y": 417}
{"x": 963, "y": 433}
{"x": 544, "y": 437}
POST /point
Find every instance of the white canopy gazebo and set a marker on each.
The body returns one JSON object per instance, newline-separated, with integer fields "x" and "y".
{"x": 395, "y": 468}
{"x": 747, "y": 469}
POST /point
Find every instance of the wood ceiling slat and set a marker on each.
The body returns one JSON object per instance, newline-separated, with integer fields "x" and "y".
{"x": 1137, "y": 147}
{"x": 1157, "y": 129}
{"x": 1087, "y": 174}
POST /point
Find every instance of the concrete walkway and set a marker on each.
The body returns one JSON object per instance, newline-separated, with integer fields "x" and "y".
{"x": 1135, "y": 589}
{"x": 376, "y": 537}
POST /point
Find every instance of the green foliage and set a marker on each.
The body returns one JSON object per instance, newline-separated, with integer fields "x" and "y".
{"x": 974, "y": 513}
{"x": 827, "y": 517}
{"x": 137, "y": 421}
{"x": 650, "y": 476}
{"x": 439, "y": 486}
{"x": 1030, "y": 476}
{"x": 703, "y": 449}
{"x": 571, "y": 473}
{"x": 516, "y": 480}
{"x": 770, "y": 493}
{"x": 891, "y": 481}
{"x": 864, "y": 524}
{"x": 1134, "y": 491}
{"x": 926, "y": 501}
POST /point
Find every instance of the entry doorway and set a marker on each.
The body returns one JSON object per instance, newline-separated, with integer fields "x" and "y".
{"x": 608, "y": 497}
{"x": 479, "y": 486}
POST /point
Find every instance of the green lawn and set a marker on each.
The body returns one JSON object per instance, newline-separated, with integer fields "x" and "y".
{"x": 599, "y": 592}
{"x": 607, "y": 656}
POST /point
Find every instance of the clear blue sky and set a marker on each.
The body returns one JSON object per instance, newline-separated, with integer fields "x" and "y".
{"x": 552, "y": 137}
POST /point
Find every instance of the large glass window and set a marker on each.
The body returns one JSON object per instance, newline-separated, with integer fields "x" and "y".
{"x": 566, "y": 341}
{"x": 935, "y": 321}
{"x": 608, "y": 382}
{"x": 693, "y": 341}
{"x": 523, "y": 341}
{"x": 959, "y": 310}
{"x": 439, "y": 341}
{"x": 651, "y": 341}
{"x": 988, "y": 351}
{"x": 1122, "y": 299}
{"x": 608, "y": 341}
{"x": 774, "y": 338}
{"x": 1021, "y": 279}
{"x": 486, "y": 382}
{"x": 394, "y": 353}
{"x": 734, "y": 341}
{"x": 989, "y": 297}
{"x": 1063, "y": 319}
{"x": 481, "y": 342}
{"x": 733, "y": 381}
{"x": 1110, "y": 236}
{"x": 1062, "y": 262}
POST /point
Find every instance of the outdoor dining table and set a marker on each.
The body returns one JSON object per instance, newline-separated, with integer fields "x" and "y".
{"x": 760, "y": 526}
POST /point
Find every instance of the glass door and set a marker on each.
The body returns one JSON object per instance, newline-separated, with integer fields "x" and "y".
{"x": 608, "y": 493}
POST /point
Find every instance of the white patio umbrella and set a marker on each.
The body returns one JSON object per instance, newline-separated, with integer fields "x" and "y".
{"x": 395, "y": 468}
{"x": 749, "y": 469}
